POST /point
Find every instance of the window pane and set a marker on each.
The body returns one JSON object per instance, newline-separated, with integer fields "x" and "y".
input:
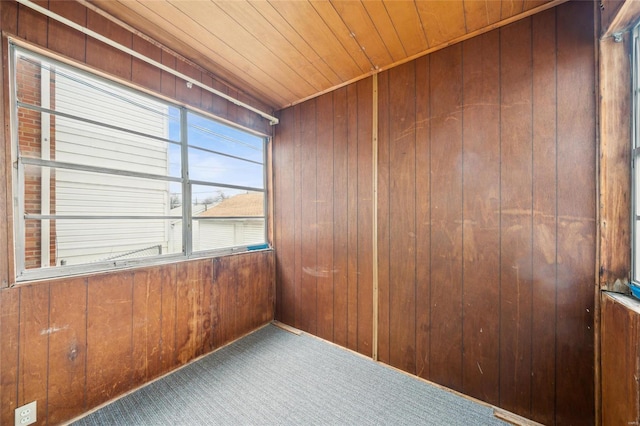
{"x": 214, "y": 168}
{"x": 73, "y": 192}
{"x": 231, "y": 218}
{"x": 84, "y": 241}
{"x": 78, "y": 142}
{"x": 111, "y": 104}
{"x": 213, "y": 136}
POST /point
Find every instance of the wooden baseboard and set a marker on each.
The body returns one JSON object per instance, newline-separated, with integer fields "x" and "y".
{"x": 512, "y": 418}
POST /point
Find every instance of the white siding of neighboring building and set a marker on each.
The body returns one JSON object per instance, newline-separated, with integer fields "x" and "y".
{"x": 212, "y": 234}
{"x": 81, "y": 193}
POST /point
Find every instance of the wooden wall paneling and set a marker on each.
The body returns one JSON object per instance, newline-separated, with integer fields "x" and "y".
{"x": 109, "y": 335}
{"x": 9, "y": 15}
{"x": 147, "y": 323}
{"x": 104, "y": 57}
{"x": 284, "y": 147}
{"x": 352, "y": 217}
{"x": 576, "y": 215}
{"x": 481, "y": 217}
{"x": 205, "y": 308}
{"x": 308, "y": 284}
{"x": 33, "y": 26}
{"x": 10, "y": 332}
{"x": 245, "y": 293}
{"x": 384, "y": 214}
{"x": 63, "y": 38}
{"x": 142, "y": 73}
{"x": 516, "y": 217}
{"x": 266, "y": 291}
{"x": 297, "y": 222}
{"x": 446, "y": 217}
{"x": 189, "y": 297}
{"x": 620, "y": 363}
{"x": 66, "y": 396}
{"x": 365, "y": 217}
{"x": 33, "y": 350}
{"x": 325, "y": 219}
{"x": 169, "y": 297}
{"x": 402, "y": 217}
{"x": 168, "y": 81}
{"x": 423, "y": 216}
{"x": 544, "y": 218}
{"x": 340, "y": 228}
{"x": 189, "y": 95}
{"x": 224, "y": 300}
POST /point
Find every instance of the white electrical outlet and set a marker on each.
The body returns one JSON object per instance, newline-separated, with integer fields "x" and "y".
{"x": 26, "y": 414}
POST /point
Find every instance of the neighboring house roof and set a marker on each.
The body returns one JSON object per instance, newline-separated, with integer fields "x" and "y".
{"x": 251, "y": 204}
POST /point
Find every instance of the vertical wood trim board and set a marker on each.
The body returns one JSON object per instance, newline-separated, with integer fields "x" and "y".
{"x": 484, "y": 190}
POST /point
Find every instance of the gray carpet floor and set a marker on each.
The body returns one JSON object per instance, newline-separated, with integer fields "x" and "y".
{"x": 273, "y": 377}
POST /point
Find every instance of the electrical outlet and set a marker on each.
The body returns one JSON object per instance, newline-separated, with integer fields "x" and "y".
{"x": 26, "y": 414}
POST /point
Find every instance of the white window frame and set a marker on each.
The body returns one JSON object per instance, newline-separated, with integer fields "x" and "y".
{"x": 23, "y": 274}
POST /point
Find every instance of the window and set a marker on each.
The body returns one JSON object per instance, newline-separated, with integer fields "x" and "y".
{"x": 102, "y": 174}
{"x": 635, "y": 181}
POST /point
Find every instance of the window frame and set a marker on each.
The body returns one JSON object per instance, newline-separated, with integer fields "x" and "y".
{"x": 21, "y": 273}
{"x": 635, "y": 155}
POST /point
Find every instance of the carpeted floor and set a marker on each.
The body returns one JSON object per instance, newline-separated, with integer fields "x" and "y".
{"x": 273, "y": 377}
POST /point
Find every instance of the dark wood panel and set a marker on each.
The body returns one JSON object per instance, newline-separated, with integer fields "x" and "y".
{"x": 143, "y": 73}
{"x": 309, "y": 223}
{"x": 32, "y": 26}
{"x": 109, "y": 336}
{"x": 365, "y": 217}
{"x": 105, "y": 57}
{"x": 446, "y": 217}
{"x": 402, "y": 218}
{"x": 352, "y": 217}
{"x": 576, "y": 215}
{"x": 620, "y": 361}
{"x": 481, "y": 216}
{"x": 33, "y": 360}
{"x": 169, "y": 289}
{"x": 190, "y": 95}
{"x": 66, "y": 397}
{"x": 224, "y": 296}
{"x": 297, "y": 220}
{"x": 544, "y": 218}
{"x": 340, "y": 203}
{"x": 383, "y": 206}
{"x": 516, "y": 181}
{"x": 423, "y": 216}
{"x": 63, "y": 38}
{"x": 325, "y": 220}
{"x": 9, "y": 352}
{"x": 147, "y": 323}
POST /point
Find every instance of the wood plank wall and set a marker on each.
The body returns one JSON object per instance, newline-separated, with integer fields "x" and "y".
{"x": 73, "y": 344}
{"x": 620, "y": 360}
{"x": 486, "y": 216}
{"x": 323, "y": 198}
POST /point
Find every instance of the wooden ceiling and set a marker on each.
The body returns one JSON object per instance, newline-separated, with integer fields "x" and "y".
{"x": 286, "y": 51}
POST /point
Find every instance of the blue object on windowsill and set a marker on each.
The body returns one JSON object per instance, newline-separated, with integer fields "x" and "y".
{"x": 258, "y": 247}
{"x": 635, "y": 290}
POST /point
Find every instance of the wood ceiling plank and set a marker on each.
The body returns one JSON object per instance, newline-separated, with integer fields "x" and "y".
{"x": 481, "y": 13}
{"x": 511, "y": 8}
{"x": 384, "y": 26}
{"x": 530, "y": 4}
{"x": 343, "y": 33}
{"x": 320, "y": 77}
{"x": 304, "y": 19}
{"x": 157, "y": 27}
{"x": 358, "y": 21}
{"x": 442, "y": 21}
{"x": 407, "y": 23}
{"x": 240, "y": 46}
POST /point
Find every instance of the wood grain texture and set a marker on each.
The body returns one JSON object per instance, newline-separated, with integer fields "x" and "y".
{"x": 475, "y": 153}
{"x": 326, "y": 216}
{"x": 72, "y": 344}
{"x": 620, "y": 361}
{"x": 481, "y": 217}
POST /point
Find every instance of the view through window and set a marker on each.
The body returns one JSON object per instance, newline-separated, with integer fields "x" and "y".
{"x": 102, "y": 173}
